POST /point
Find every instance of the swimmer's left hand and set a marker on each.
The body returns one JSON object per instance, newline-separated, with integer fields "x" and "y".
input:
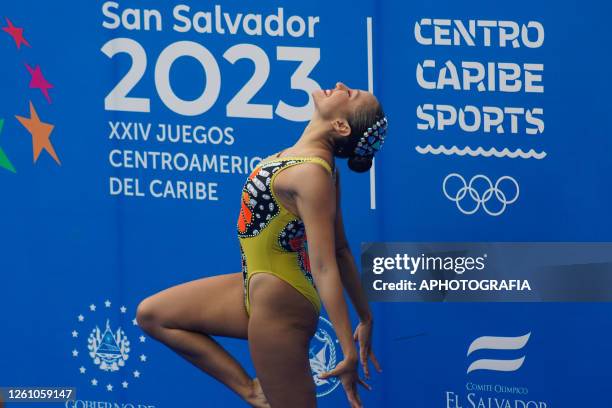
{"x": 363, "y": 334}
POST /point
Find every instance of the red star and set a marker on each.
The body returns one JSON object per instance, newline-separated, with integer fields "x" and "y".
{"x": 39, "y": 81}
{"x": 40, "y": 132}
{"x": 16, "y": 33}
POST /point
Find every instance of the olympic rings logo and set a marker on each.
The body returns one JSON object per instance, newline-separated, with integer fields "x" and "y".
{"x": 491, "y": 190}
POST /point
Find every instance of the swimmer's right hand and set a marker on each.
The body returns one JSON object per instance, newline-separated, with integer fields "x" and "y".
{"x": 347, "y": 371}
{"x": 363, "y": 334}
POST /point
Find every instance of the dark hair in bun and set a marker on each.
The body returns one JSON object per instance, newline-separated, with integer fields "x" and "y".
{"x": 359, "y": 121}
{"x": 360, "y": 164}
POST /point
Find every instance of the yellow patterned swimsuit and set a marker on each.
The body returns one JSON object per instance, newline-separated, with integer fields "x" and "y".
{"x": 272, "y": 239}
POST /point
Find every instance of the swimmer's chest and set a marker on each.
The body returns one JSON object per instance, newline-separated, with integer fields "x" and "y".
{"x": 268, "y": 192}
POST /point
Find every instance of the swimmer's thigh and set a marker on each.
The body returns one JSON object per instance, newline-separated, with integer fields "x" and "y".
{"x": 212, "y": 305}
{"x": 282, "y": 322}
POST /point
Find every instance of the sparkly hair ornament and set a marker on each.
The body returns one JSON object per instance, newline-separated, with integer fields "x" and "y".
{"x": 372, "y": 139}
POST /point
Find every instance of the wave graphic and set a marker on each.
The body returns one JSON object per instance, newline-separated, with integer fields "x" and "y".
{"x": 480, "y": 151}
{"x": 497, "y": 343}
{"x": 496, "y": 365}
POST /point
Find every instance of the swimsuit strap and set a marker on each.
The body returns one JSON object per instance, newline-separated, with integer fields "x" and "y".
{"x": 319, "y": 160}
{"x": 315, "y": 159}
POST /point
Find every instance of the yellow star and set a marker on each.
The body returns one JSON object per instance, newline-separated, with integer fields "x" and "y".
{"x": 40, "y": 132}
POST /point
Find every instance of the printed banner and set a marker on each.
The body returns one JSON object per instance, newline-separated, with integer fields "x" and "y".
{"x": 127, "y": 130}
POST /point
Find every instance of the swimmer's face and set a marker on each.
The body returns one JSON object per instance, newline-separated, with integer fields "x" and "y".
{"x": 341, "y": 102}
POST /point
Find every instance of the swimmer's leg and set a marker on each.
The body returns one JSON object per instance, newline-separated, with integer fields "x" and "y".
{"x": 281, "y": 325}
{"x": 185, "y": 316}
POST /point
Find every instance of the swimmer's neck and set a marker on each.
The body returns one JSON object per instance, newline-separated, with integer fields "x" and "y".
{"x": 316, "y": 138}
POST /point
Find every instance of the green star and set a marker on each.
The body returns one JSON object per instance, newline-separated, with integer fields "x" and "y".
{"x": 4, "y": 160}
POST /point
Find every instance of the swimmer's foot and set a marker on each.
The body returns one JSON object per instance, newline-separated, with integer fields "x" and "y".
{"x": 257, "y": 398}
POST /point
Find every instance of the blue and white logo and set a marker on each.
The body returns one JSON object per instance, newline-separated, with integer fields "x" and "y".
{"x": 497, "y": 343}
{"x": 107, "y": 349}
{"x": 323, "y": 356}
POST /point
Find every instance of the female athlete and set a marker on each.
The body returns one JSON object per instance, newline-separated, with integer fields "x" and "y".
{"x": 275, "y": 300}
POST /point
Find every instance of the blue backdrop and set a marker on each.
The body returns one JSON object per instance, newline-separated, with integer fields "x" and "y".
{"x": 93, "y": 219}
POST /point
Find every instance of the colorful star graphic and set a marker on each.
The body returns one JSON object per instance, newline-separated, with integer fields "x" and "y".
{"x": 16, "y": 33}
{"x": 40, "y": 132}
{"x": 39, "y": 81}
{"x": 4, "y": 160}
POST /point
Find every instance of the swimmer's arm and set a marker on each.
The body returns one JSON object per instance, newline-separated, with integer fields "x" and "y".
{"x": 346, "y": 264}
{"x": 316, "y": 206}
